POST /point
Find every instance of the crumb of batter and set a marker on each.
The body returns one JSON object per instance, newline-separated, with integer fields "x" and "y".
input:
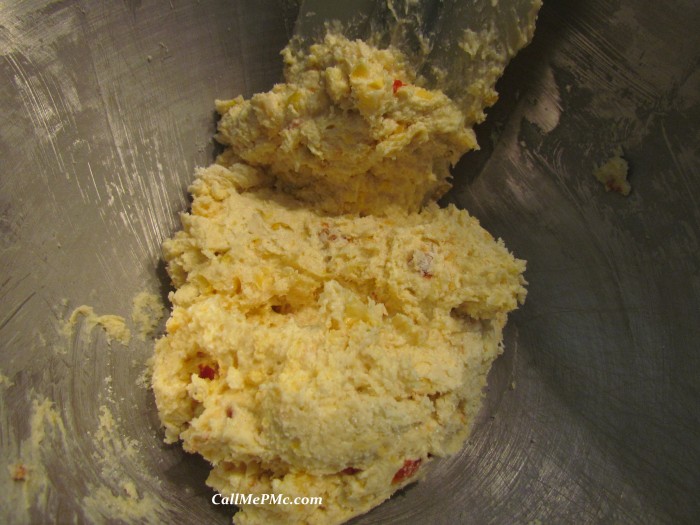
{"x": 613, "y": 175}
{"x": 28, "y": 482}
{"x": 18, "y": 472}
{"x": 114, "y": 326}
{"x": 147, "y": 311}
{"x": 144, "y": 378}
{"x": 124, "y": 505}
{"x": 332, "y": 327}
{"x": 5, "y": 381}
{"x": 117, "y": 497}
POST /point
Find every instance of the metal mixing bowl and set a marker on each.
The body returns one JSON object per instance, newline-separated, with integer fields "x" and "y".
{"x": 107, "y": 107}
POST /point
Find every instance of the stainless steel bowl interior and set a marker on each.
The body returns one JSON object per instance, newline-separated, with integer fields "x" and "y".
{"x": 592, "y": 416}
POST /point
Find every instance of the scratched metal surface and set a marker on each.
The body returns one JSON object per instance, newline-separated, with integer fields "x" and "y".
{"x": 107, "y": 108}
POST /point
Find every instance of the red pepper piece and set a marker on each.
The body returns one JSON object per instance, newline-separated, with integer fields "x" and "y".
{"x": 397, "y": 85}
{"x": 206, "y": 372}
{"x": 350, "y": 470}
{"x": 410, "y": 467}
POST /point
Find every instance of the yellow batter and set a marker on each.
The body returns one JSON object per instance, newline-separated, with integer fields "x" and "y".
{"x": 350, "y": 131}
{"x": 332, "y": 328}
{"x": 613, "y": 175}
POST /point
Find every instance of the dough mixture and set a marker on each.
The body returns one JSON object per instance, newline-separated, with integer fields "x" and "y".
{"x": 613, "y": 175}
{"x": 332, "y": 327}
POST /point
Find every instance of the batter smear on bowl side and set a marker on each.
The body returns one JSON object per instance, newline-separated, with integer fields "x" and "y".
{"x": 332, "y": 327}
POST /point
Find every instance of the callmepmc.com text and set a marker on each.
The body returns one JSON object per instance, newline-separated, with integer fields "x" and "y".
{"x": 264, "y": 499}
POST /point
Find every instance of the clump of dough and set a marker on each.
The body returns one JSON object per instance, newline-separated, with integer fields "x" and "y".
{"x": 349, "y": 130}
{"x": 613, "y": 175}
{"x": 332, "y": 327}
{"x": 314, "y": 355}
{"x": 114, "y": 326}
